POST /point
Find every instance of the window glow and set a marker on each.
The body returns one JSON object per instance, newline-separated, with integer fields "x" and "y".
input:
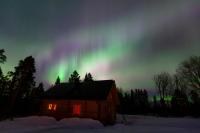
{"x": 76, "y": 109}
{"x": 52, "y": 107}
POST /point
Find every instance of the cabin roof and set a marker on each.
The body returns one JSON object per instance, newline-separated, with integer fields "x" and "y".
{"x": 93, "y": 90}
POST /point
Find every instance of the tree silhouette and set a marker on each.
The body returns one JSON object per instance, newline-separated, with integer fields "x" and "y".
{"x": 37, "y": 92}
{"x": 195, "y": 105}
{"x": 2, "y": 78}
{"x": 135, "y": 102}
{"x": 33, "y": 103}
{"x": 179, "y": 83}
{"x": 190, "y": 71}
{"x": 162, "y": 82}
{"x": 88, "y": 77}
{"x": 180, "y": 103}
{"x": 4, "y": 84}
{"x": 155, "y": 105}
{"x": 75, "y": 78}
{"x": 23, "y": 81}
{"x": 2, "y": 56}
{"x": 195, "y": 97}
{"x": 140, "y": 100}
{"x": 57, "y": 81}
{"x": 1, "y": 81}
{"x": 27, "y": 73}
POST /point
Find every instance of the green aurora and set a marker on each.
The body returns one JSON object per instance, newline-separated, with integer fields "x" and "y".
{"x": 127, "y": 41}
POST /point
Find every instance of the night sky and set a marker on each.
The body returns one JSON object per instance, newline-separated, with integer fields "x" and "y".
{"x": 125, "y": 40}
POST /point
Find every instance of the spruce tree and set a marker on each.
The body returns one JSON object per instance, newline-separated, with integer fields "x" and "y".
{"x": 57, "y": 81}
{"x": 22, "y": 82}
{"x": 88, "y": 77}
{"x": 75, "y": 78}
{"x": 2, "y": 56}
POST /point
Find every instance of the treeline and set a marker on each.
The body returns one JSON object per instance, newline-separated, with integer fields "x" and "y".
{"x": 18, "y": 94}
{"x": 133, "y": 102}
{"x": 183, "y": 87}
{"x": 138, "y": 102}
{"x": 177, "y": 95}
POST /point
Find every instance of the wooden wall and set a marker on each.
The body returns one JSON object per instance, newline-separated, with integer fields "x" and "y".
{"x": 102, "y": 110}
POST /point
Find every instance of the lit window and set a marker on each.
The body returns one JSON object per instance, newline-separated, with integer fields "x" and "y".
{"x": 52, "y": 107}
{"x": 76, "y": 109}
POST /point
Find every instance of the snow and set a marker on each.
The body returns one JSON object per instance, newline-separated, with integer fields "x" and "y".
{"x": 133, "y": 124}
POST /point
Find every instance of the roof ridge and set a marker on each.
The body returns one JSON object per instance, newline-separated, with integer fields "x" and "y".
{"x": 85, "y": 90}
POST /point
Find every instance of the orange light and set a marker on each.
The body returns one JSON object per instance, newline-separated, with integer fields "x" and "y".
{"x": 52, "y": 107}
{"x": 76, "y": 109}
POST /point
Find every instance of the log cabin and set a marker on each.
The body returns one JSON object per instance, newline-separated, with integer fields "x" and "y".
{"x": 94, "y": 99}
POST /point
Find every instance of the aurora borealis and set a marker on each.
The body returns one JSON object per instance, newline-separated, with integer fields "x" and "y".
{"x": 125, "y": 40}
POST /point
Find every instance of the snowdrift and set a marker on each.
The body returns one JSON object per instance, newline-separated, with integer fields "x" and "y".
{"x": 133, "y": 124}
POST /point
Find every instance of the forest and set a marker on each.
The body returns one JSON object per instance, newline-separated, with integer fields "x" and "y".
{"x": 177, "y": 94}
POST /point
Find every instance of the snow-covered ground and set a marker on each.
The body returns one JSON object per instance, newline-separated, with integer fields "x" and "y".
{"x": 134, "y": 124}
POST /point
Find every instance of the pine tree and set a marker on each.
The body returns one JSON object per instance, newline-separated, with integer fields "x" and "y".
{"x": 27, "y": 79}
{"x": 2, "y": 56}
{"x": 88, "y": 77}
{"x": 57, "y": 81}
{"x": 2, "y": 78}
{"x": 75, "y": 78}
{"x": 23, "y": 77}
{"x": 22, "y": 82}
